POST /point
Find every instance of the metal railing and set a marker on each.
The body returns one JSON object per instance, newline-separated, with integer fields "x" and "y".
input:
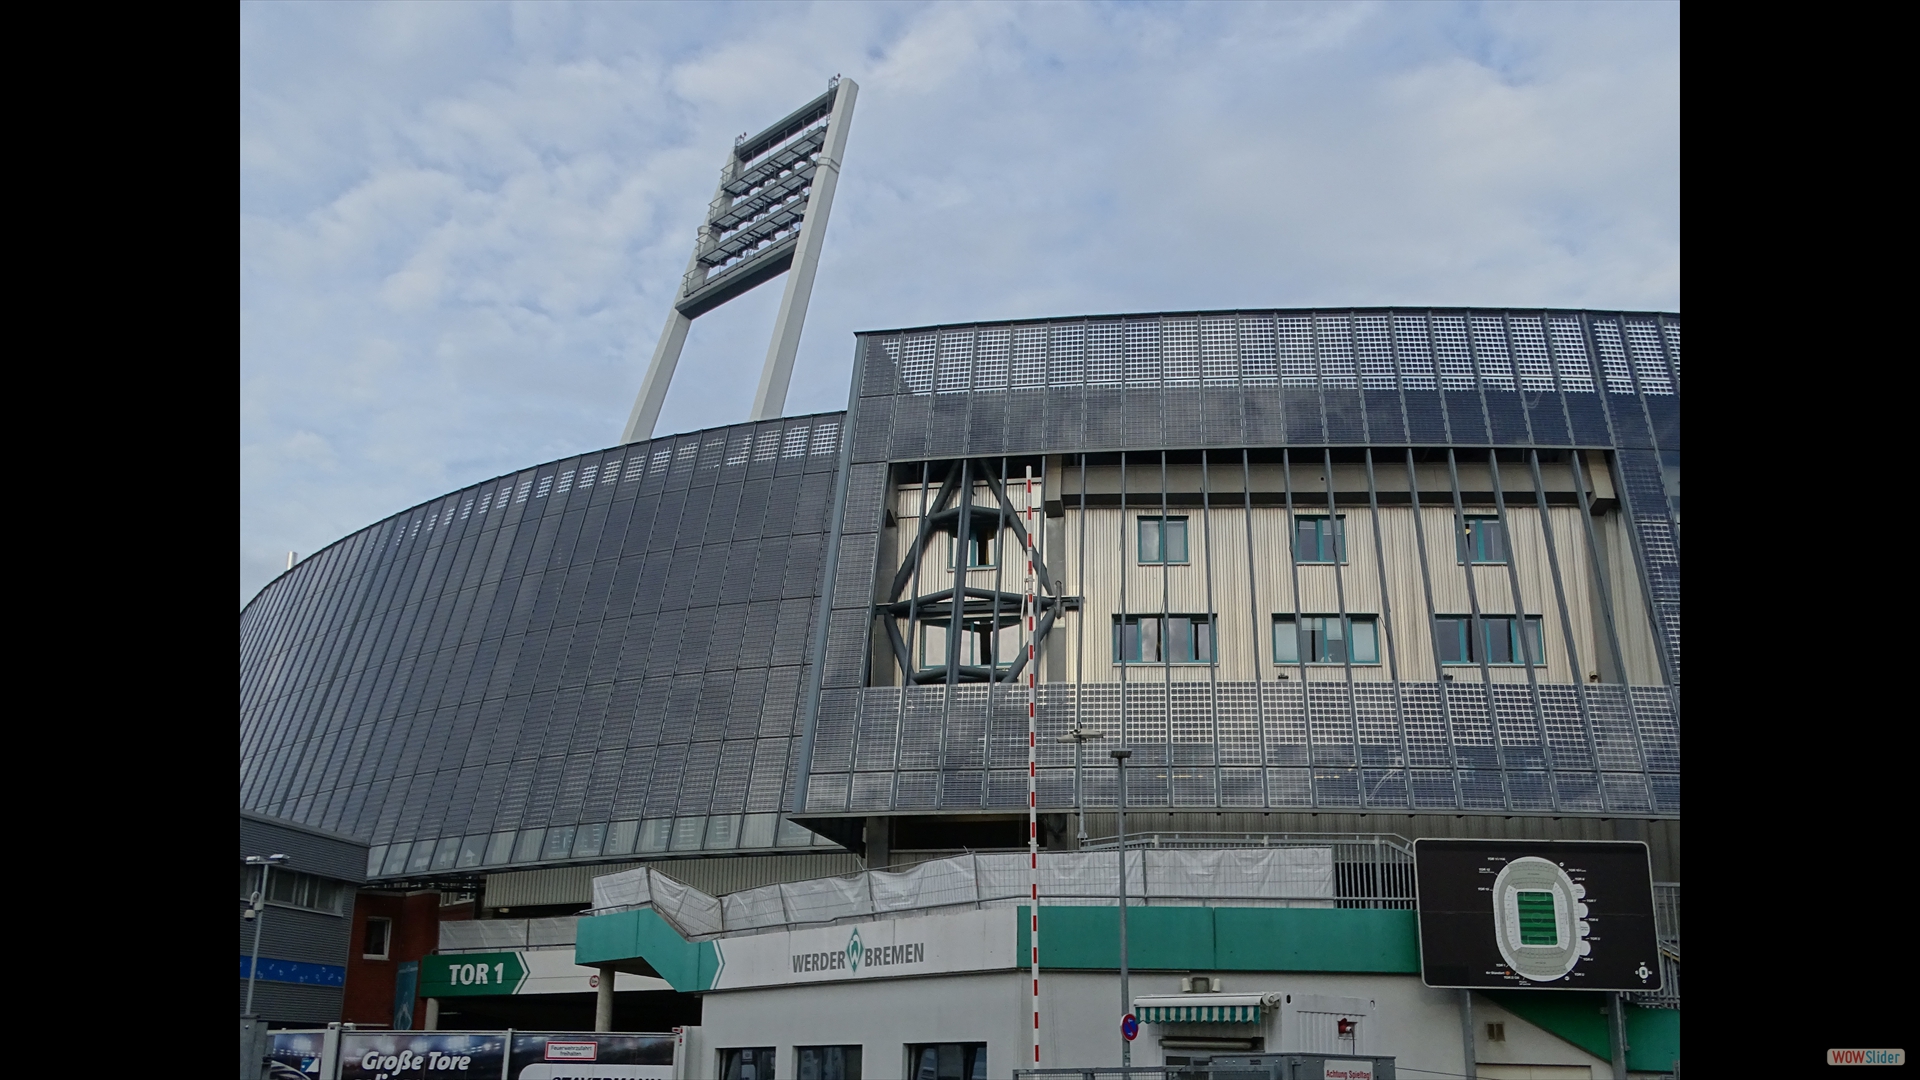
{"x": 490, "y": 935}
{"x": 1370, "y": 870}
{"x": 1282, "y": 1065}
{"x": 1275, "y": 1071}
{"x": 1666, "y": 911}
{"x": 1666, "y": 926}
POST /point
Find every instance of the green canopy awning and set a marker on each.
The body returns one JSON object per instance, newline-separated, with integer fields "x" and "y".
{"x": 1199, "y": 1009}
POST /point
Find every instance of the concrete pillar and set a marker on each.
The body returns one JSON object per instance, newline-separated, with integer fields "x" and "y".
{"x": 653, "y": 388}
{"x": 433, "y": 1014}
{"x": 1469, "y": 1041}
{"x": 879, "y": 845}
{"x": 603, "y": 1004}
{"x": 255, "y": 1042}
{"x": 1617, "y": 1033}
{"x": 771, "y": 398}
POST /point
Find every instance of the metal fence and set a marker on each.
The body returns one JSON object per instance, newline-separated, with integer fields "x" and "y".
{"x": 1370, "y": 870}
{"x": 488, "y": 935}
{"x": 1666, "y": 925}
{"x": 1274, "y": 1071}
{"x": 1276, "y": 1066}
{"x": 1666, "y": 911}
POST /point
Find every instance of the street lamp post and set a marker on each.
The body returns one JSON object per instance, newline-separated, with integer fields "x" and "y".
{"x": 256, "y": 906}
{"x": 1078, "y": 736}
{"x": 1126, "y": 996}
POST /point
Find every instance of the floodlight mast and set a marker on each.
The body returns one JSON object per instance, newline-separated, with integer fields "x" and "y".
{"x": 768, "y": 216}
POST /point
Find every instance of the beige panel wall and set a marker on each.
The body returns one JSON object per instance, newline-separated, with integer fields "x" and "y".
{"x": 1629, "y": 603}
{"x": 1247, "y": 592}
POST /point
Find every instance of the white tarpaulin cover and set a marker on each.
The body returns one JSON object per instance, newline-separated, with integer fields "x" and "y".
{"x": 628, "y": 888}
{"x": 1257, "y": 877}
{"x": 499, "y": 935}
{"x": 691, "y": 911}
{"x": 932, "y": 884}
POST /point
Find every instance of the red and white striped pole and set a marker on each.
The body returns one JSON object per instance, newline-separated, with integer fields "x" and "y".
{"x": 1028, "y": 603}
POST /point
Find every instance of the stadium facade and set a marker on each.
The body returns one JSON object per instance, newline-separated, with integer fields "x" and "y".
{"x": 1381, "y": 571}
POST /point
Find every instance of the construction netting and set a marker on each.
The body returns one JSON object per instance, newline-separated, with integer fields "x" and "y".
{"x": 1242, "y": 877}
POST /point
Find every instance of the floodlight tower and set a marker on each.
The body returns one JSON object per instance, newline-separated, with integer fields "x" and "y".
{"x": 769, "y": 215}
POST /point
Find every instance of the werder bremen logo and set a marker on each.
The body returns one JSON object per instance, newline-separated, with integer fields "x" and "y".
{"x": 854, "y": 950}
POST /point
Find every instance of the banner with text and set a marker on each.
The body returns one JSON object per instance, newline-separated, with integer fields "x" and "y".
{"x": 891, "y": 949}
{"x": 525, "y": 971}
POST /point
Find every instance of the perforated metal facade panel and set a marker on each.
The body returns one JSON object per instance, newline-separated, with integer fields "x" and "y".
{"x": 611, "y": 655}
{"x": 1386, "y": 379}
{"x": 484, "y": 679}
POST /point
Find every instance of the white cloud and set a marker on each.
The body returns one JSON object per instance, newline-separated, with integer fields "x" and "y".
{"x": 461, "y": 225}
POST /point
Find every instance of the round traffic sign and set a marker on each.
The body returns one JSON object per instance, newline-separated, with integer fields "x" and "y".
{"x": 1129, "y": 1026}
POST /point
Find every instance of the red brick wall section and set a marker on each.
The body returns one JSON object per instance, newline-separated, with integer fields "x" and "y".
{"x": 416, "y": 932}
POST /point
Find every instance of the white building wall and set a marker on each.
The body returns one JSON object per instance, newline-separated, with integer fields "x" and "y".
{"x": 1080, "y": 1021}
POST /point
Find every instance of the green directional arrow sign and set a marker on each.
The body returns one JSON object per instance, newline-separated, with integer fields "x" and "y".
{"x": 480, "y": 974}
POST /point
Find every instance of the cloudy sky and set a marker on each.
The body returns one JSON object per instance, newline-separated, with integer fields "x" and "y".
{"x": 461, "y": 224}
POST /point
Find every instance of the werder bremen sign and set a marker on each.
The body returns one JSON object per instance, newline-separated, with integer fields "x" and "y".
{"x": 896, "y": 948}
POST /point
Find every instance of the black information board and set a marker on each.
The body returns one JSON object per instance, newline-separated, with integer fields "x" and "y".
{"x": 1545, "y": 914}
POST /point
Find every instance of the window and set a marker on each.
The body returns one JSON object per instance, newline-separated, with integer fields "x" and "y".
{"x": 291, "y": 888}
{"x": 1163, "y": 540}
{"x": 1153, "y": 639}
{"x": 947, "y": 1061}
{"x": 379, "y": 936}
{"x": 826, "y": 1062}
{"x": 1500, "y": 640}
{"x": 587, "y": 844}
{"x": 1319, "y": 539}
{"x": 979, "y": 646}
{"x": 527, "y": 848}
{"x": 1483, "y": 541}
{"x": 979, "y": 549}
{"x": 1324, "y": 639}
{"x": 747, "y": 1063}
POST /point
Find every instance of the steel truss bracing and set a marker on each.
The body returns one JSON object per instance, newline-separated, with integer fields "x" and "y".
{"x": 907, "y": 610}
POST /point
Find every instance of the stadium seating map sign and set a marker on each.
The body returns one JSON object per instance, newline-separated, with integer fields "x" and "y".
{"x": 1518, "y": 914}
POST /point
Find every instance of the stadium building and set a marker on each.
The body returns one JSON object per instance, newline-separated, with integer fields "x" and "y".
{"x": 1360, "y": 572}
{"x": 1338, "y": 579}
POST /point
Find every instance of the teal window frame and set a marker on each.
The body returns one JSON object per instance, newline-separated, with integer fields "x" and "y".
{"x": 1161, "y": 529}
{"x": 1192, "y": 638}
{"x": 980, "y": 546}
{"x": 1311, "y": 637}
{"x": 1484, "y": 538}
{"x": 1456, "y": 645}
{"x": 1310, "y": 538}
